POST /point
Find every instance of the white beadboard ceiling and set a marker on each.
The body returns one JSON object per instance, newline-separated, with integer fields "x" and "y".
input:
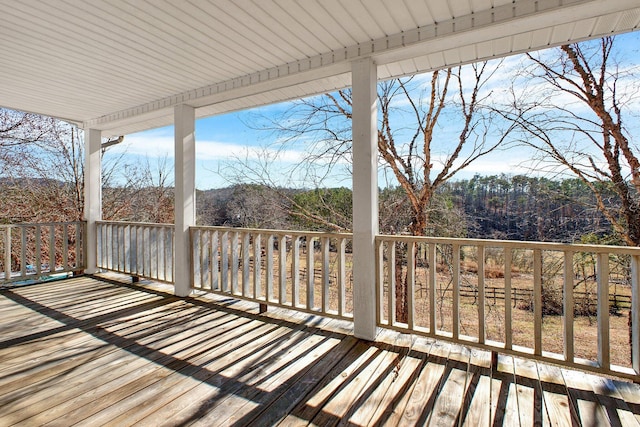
{"x": 122, "y": 65}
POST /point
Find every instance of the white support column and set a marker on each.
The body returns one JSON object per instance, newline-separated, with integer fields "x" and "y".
{"x": 185, "y": 196}
{"x": 365, "y": 196}
{"x": 92, "y": 195}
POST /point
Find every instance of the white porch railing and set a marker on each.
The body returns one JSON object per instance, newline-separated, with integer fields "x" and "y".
{"x": 566, "y": 304}
{"x": 445, "y": 281}
{"x": 137, "y": 249}
{"x": 34, "y": 251}
{"x": 305, "y": 271}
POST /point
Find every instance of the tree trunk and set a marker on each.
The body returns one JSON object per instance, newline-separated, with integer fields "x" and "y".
{"x": 418, "y": 228}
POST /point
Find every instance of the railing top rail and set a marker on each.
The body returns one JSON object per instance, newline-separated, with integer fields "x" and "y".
{"x": 275, "y": 232}
{"x": 139, "y": 223}
{"x": 41, "y": 224}
{"x": 518, "y": 244}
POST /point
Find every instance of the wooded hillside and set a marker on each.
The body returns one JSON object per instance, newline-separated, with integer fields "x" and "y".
{"x": 503, "y": 207}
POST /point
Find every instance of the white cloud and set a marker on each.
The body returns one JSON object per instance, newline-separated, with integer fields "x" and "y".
{"x": 156, "y": 144}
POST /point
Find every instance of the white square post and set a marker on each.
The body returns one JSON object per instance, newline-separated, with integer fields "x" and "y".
{"x": 185, "y": 196}
{"x": 365, "y": 195}
{"x": 92, "y": 195}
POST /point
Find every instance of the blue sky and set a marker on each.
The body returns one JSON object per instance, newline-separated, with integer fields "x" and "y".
{"x": 227, "y": 147}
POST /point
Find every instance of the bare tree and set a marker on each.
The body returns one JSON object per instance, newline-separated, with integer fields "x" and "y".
{"x": 42, "y": 168}
{"x": 42, "y": 175}
{"x": 589, "y": 136}
{"x": 578, "y": 122}
{"x": 429, "y": 130}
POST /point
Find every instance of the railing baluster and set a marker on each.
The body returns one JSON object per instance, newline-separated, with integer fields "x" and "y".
{"x": 257, "y": 267}
{"x": 81, "y": 229}
{"x": 246, "y": 237}
{"x": 391, "y": 282}
{"x": 168, "y": 254}
{"x": 126, "y": 242}
{"x": 23, "y": 251}
{"x": 282, "y": 269}
{"x": 131, "y": 253}
{"x": 144, "y": 233}
{"x": 269, "y": 272}
{"x": 310, "y": 273}
{"x": 295, "y": 270}
{"x": 508, "y": 329}
{"x": 52, "y": 248}
{"x": 148, "y": 252}
{"x": 129, "y": 246}
{"x": 171, "y": 254}
{"x": 379, "y": 281}
{"x": 411, "y": 282}
{"x": 537, "y": 301}
{"x": 568, "y": 306}
{"x": 135, "y": 252}
{"x": 602, "y": 275}
{"x": 160, "y": 252}
{"x": 140, "y": 242}
{"x": 155, "y": 252}
{"x": 235, "y": 262}
{"x": 143, "y": 251}
{"x": 125, "y": 231}
{"x": 108, "y": 245}
{"x": 38, "y": 253}
{"x": 7, "y": 253}
{"x": 342, "y": 276}
{"x": 199, "y": 259}
{"x": 224, "y": 267}
{"x": 433, "y": 284}
{"x": 456, "y": 291}
{"x": 326, "y": 282}
{"x": 481, "y": 296}
{"x": 65, "y": 248}
{"x": 116, "y": 249}
{"x": 213, "y": 258}
{"x": 126, "y": 248}
{"x": 120, "y": 252}
{"x": 112, "y": 247}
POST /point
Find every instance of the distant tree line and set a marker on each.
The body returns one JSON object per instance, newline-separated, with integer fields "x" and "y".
{"x": 496, "y": 207}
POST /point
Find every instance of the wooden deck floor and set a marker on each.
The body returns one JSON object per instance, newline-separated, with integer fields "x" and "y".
{"x": 94, "y": 351}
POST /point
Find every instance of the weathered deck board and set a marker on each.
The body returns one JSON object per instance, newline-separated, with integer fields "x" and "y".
{"x": 557, "y": 404}
{"x": 476, "y": 409}
{"x": 529, "y": 391}
{"x": 584, "y": 400}
{"x": 450, "y": 395}
{"x": 97, "y": 351}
